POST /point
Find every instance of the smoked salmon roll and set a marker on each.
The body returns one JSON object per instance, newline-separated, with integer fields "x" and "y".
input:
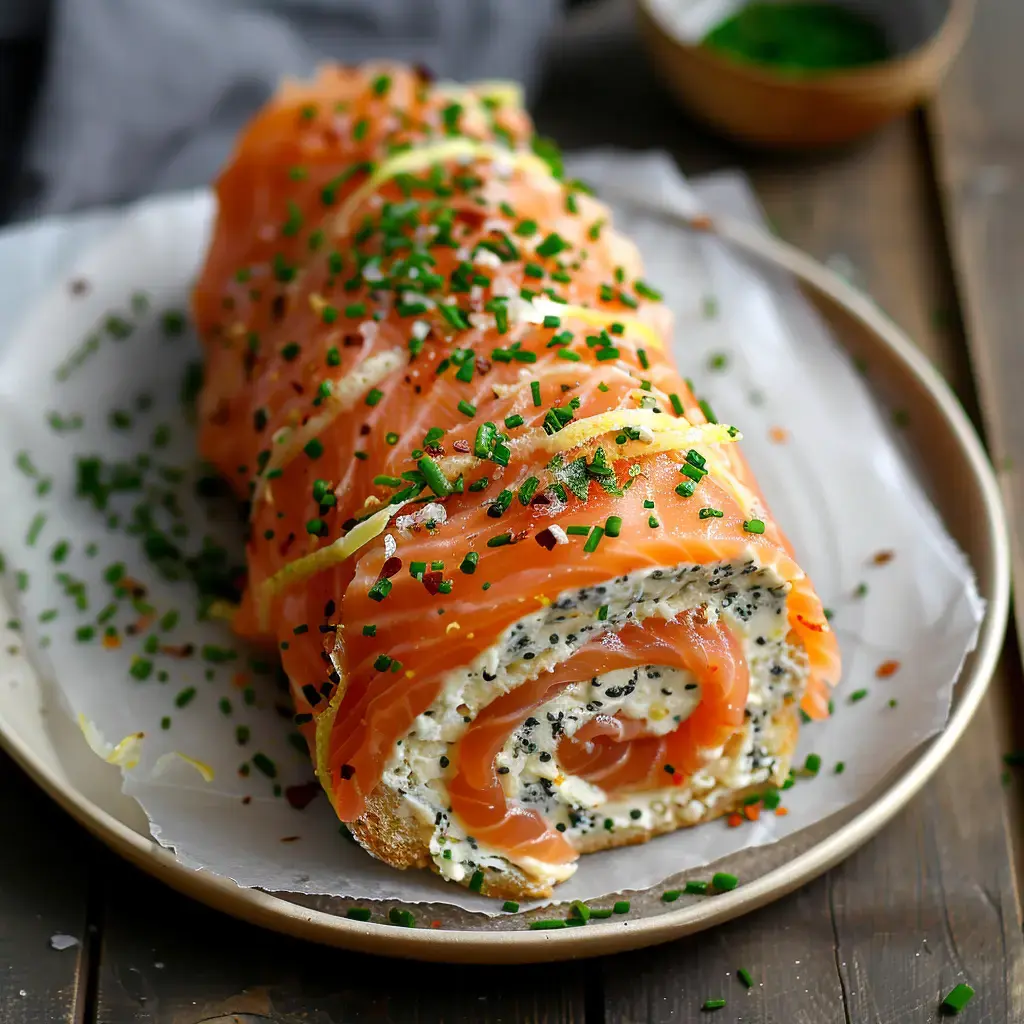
{"x": 529, "y": 598}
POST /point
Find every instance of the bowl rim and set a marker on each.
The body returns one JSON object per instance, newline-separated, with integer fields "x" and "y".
{"x": 942, "y": 47}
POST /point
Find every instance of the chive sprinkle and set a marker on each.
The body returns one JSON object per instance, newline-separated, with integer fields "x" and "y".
{"x": 510, "y": 907}
{"x": 713, "y": 1004}
{"x": 695, "y": 888}
{"x": 744, "y": 975}
{"x": 724, "y": 882}
{"x": 958, "y": 998}
{"x": 613, "y": 525}
{"x": 593, "y": 540}
{"x": 535, "y": 391}
{"x": 621, "y": 907}
{"x": 543, "y": 926}
{"x": 753, "y": 526}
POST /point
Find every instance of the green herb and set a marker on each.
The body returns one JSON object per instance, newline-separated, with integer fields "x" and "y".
{"x": 957, "y": 998}
{"x": 723, "y": 881}
{"x": 799, "y": 38}
{"x": 712, "y": 1004}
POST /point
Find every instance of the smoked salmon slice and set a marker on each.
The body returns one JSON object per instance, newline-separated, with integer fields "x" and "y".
{"x": 528, "y": 595}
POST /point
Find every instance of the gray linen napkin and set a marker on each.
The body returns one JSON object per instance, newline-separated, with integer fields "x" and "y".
{"x": 142, "y": 96}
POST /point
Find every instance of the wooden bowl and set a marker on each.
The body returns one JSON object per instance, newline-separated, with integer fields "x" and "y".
{"x": 758, "y": 105}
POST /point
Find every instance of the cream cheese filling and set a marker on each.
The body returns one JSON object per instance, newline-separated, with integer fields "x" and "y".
{"x": 751, "y": 597}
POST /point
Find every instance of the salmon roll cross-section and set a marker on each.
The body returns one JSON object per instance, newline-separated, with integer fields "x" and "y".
{"x": 529, "y": 598}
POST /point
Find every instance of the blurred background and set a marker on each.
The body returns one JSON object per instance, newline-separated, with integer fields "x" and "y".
{"x": 102, "y": 101}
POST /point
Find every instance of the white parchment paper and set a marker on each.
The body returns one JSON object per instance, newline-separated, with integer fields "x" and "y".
{"x": 823, "y": 450}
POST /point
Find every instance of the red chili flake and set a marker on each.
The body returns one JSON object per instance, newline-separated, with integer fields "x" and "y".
{"x": 702, "y": 223}
{"x": 886, "y": 669}
{"x": 352, "y": 340}
{"x": 483, "y": 365}
{"x": 817, "y": 627}
{"x": 391, "y": 567}
{"x": 179, "y": 651}
{"x": 434, "y": 449}
{"x": 289, "y": 839}
{"x": 778, "y": 435}
{"x": 518, "y": 538}
{"x": 127, "y": 585}
{"x": 364, "y": 430}
{"x": 546, "y": 539}
{"x": 435, "y": 924}
{"x": 461, "y": 445}
{"x": 298, "y": 388}
{"x": 734, "y": 820}
{"x": 347, "y": 771}
{"x": 79, "y": 286}
{"x": 301, "y": 796}
{"x": 246, "y": 800}
{"x": 883, "y": 557}
{"x": 432, "y": 581}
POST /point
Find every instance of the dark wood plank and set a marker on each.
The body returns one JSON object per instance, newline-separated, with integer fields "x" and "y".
{"x": 978, "y": 137}
{"x": 166, "y": 960}
{"x": 44, "y": 891}
{"x": 932, "y": 900}
{"x": 978, "y": 144}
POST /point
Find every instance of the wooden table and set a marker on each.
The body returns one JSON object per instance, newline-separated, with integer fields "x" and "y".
{"x": 929, "y": 217}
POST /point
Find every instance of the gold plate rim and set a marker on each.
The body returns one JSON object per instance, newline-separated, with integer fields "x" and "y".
{"x": 480, "y": 946}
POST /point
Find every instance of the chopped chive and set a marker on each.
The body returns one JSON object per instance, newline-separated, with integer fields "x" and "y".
{"x": 510, "y": 907}
{"x": 476, "y": 883}
{"x": 499, "y": 542}
{"x": 359, "y": 914}
{"x": 602, "y": 613}
{"x": 577, "y": 531}
{"x": 469, "y": 563}
{"x": 695, "y": 888}
{"x": 467, "y": 409}
{"x": 511, "y": 422}
{"x": 671, "y": 895}
{"x": 593, "y": 540}
{"x": 613, "y": 525}
{"x": 380, "y": 589}
{"x": 813, "y": 764}
{"x": 373, "y": 396}
{"x": 436, "y": 480}
{"x": 314, "y": 448}
{"x": 957, "y": 998}
{"x": 713, "y": 1004}
{"x": 710, "y": 513}
{"x": 527, "y": 490}
{"x": 621, "y": 907}
{"x": 539, "y": 926}
{"x": 753, "y": 526}
{"x": 535, "y": 391}
{"x": 185, "y": 697}
{"x": 858, "y": 695}
{"x": 369, "y": 630}
{"x": 724, "y": 882}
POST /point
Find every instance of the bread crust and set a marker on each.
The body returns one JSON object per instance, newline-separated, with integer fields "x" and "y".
{"x": 396, "y": 834}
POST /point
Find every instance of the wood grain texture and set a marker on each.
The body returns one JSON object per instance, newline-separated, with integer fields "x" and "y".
{"x": 166, "y": 960}
{"x": 44, "y": 891}
{"x": 978, "y": 141}
{"x": 932, "y": 900}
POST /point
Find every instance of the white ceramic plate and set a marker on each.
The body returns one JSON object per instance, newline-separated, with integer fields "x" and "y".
{"x": 35, "y": 729}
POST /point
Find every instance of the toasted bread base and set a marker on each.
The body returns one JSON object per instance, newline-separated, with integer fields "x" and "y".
{"x": 395, "y": 833}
